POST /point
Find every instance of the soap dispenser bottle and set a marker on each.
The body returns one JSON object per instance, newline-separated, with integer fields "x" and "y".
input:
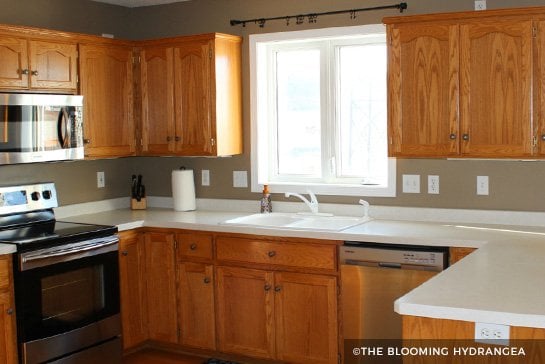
{"x": 266, "y": 205}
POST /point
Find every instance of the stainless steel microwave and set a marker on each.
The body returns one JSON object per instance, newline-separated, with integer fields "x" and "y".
{"x": 39, "y": 128}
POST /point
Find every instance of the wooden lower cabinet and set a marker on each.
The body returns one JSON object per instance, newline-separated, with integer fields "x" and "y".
{"x": 132, "y": 276}
{"x": 277, "y": 315}
{"x": 458, "y": 253}
{"x": 8, "y": 336}
{"x": 196, "y": 313}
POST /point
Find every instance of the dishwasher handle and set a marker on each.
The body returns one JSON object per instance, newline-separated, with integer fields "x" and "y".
{"x": 389, "y": 265}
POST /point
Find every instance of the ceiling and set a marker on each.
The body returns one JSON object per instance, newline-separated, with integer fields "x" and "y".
{"x": 137, "y": 3}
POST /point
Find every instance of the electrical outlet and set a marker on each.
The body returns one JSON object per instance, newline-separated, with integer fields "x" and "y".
{"x": 491, "y": 333}
{"x": 101, "y": 180}
{"x": 480, "y": 4}
{"x": 205, "y": 177}
{"x": 240, "y": 179}
{"x": 411, "y": 183}
{"x": 433, "y": 185}
{"x": 482, "y": 185}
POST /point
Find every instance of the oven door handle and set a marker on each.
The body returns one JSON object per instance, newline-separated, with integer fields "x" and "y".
{"x": 65, "y": 253}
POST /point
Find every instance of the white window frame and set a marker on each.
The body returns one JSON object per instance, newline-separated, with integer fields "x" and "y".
{"x": 260, "y": 127}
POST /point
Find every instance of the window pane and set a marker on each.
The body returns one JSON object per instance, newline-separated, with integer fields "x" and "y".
{"x": 362, "y": 112}
{"x": 298, "y": 112}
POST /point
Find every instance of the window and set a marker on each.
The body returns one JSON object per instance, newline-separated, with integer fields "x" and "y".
{"x": 319, "y": 115}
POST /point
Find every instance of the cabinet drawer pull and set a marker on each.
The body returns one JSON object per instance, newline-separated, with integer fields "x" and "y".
{"x": 452, "y": 136}
{"x": 277, "y": 288}
{"x": 207, "y": 280}
{"x": 267, "y": 287}
{"x": 124, "y": 253}
{"x": 465, "y": 137}
{"x": 271, "y": 254}
{"x": 193, "y": 246}
{"x": 9, "y": 311}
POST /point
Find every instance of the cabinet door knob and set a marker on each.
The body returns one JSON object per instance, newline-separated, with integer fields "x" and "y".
{"x": 34, "y": 73}
{"x": 24, "y": 72}
{"x": 169, "y": 139}
{"x": 9, "y": 311}
{"x": 86, "y": 141}
{"x": 177, "y": 138}
{"x": 277, "y": 288}
{"x": 271, "y": 254}
{"x": 193, "y": 246}
{"x": 267, "y": 287}
{"x": 543, "y": 137}
{"x": 207, "y": 280}
{"x": 124, "y": 253}
{"x": 452, "y": 136}
{"x": 465, "y": 137}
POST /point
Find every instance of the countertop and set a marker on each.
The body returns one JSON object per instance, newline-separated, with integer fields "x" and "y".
{"x": 502, "y": 282}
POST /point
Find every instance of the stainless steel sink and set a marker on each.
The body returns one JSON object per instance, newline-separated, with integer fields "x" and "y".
{"x": 297, "y": 221}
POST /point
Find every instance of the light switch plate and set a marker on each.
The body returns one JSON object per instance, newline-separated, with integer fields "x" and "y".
{"x": 205, "y": 177}
{"x": 101, "y": 180}
{"x": 491, "y": 333}
{"x": 482, "y": 185}
{"x": 411, "y": 183}
{"x": 240, "y": 179}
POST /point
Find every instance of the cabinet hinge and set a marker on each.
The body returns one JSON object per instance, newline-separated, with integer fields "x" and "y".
{"x": 213, "y": 141}
{"x": 210, "y": 53}
{"x": 534, "y": 31}
{"x": 136, "y": 59}
{"x": 176, "y": 246}
{"x": 534, "y": 141}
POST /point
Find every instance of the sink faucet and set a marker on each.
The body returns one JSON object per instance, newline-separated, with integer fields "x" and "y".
{"x": 312, "y": 204}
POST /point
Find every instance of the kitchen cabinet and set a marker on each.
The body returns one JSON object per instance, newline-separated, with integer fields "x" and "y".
{"x": 458, "y": 253}
{"x": 191, "y": 96}
{"x": 107, "y": 88}
{"x": 8, "y": 339}
{"x": 271, "y": 312}
{"x": 539, "y": 87}
{"x": 37, "y": 65}
{"x": 460, "y": 85}
{"x": 132, "y": 276}
{"x": 161, "y": 287}
{"x": 196, "y": 293}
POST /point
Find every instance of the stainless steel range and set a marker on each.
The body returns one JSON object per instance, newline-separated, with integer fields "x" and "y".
{"x": 66, "y": 280}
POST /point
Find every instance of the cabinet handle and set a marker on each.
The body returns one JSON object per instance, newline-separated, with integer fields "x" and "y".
{"x": 543, "y": 137}
{"x": 193, "y": 246}
{"x": 267, "y": 287}
{"x": 277, "y": 288}
{"x": 207, "y": 280}
{"x": 34, "y": 73}
{"x": 9, "y": 311}
{"x": 271, "y": 254}
{"x": 86, "y": 141}
{"x": 452, "y": 136}
{"x": 177, "y": 138}
{"x": 465, "y": 137}
{"x": 124, "y": 253}
{"x": 169, "y": 139}
{"x": 24, "y": 72}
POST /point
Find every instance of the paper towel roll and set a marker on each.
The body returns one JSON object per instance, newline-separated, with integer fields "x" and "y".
{"x": 183, "y": 190}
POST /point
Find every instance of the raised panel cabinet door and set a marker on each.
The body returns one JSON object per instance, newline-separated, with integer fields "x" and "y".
{"x": 193, "y": 82}
{"x": 245, "y": 309}
{"x": 53, "y": 65}
{"x": 539, "y": 87}
{"x": 8, "y": 338}
{"x": 306, "y": 318}
{"x": 132, "y": 276}
{"x": 495, "y": 97}
{"x": 14, "y": 70}
{"x": 156, "y": 74}
{"x": 161, "y": 287}
{"x": 107, "y": 89}
{"x": 423, "y": 90}
{"x": 196, "y": 313}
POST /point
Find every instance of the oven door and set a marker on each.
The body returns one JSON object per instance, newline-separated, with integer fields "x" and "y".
{"x": 67, "y": 298}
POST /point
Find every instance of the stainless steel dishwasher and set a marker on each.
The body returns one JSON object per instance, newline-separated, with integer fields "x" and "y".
{"x": 373, "y": 276}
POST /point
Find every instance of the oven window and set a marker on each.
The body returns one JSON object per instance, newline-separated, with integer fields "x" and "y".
{"x": 83, "y": 292}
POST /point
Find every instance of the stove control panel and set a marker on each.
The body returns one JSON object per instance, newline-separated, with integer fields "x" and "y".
{"x": 25, "y": 198}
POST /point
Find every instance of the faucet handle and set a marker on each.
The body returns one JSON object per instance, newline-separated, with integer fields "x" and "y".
{"x": 312, "y": 196}
{"x": 365, "y": 208}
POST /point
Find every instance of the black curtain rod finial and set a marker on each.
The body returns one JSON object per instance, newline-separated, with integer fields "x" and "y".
{"x": 402, "y": 6}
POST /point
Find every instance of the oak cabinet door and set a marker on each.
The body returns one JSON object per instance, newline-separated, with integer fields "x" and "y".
{"x": 245, "y": 311}
{"x": 132, "y": 276}
{"x": 423, "y": 90}
{"x": 53, "y": 65}
{"x": 495, "y": 79}
{"x": 196, "y": 312}
{"x": 14, "y": 70}
{"x": 161, "y": 287}
{"x": 107, "y": 89}
{"x": 8, "y": 338}
{"x": 193, "y": 75}
{"x": 539, "y": 87}
{"x": 156, "y": 74}
{"x": 306, "y": 318}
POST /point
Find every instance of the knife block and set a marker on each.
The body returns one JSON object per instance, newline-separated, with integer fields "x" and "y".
{"x": 138, "y": 205}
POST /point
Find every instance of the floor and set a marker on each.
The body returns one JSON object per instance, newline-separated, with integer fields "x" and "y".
{"x": 160, "y": 357}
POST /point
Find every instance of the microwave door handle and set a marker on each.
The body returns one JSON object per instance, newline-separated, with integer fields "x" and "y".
{"x": 63, "y": 135}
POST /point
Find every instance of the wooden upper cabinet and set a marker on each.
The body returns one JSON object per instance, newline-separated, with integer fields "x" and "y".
{"x": 539, "y": 87}
{"x": 37, "y": 65}
{"x": 423, "y": 90}
{"x": 107, "y": 89}
{"x": 496, "y": 88}
{"x": 191, "y": 96}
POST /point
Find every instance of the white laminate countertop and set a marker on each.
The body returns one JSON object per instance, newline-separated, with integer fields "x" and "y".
{"x": 502, "y": 282}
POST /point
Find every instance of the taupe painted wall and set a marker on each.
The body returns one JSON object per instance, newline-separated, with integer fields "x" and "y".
{"x": 514, "y": 185}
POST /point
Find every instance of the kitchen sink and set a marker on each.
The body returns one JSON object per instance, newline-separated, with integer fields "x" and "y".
{"x": 297, "y": 221}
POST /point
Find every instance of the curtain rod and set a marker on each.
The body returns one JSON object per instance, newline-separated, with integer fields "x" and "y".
{"x": 299, "y": 19}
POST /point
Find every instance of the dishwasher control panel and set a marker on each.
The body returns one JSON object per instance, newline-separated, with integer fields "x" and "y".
{"x": 419, "y": 258}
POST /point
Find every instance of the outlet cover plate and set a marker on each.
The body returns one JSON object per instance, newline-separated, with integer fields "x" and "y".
{"x": 491, "y": 333}
{"x": 205, "y": 177}
{"x": 480, "y": 4}
{"x": 433, "y": 185}
{"x": 240, "y": 179}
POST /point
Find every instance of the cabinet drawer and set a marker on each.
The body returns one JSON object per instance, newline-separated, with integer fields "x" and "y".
{"x": 5, "y": 268}
{"x": 194, "y": 246}
{"x": 266, "y": 252}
